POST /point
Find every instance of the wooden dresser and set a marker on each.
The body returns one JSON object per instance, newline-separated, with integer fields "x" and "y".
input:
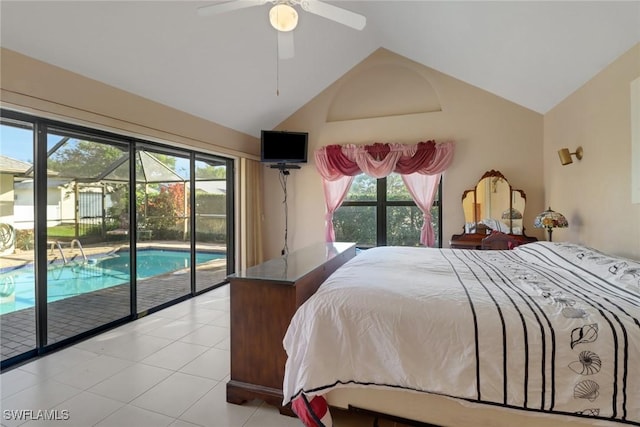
{"x": 479, "y": 241}
{"x": 263, "y": 300}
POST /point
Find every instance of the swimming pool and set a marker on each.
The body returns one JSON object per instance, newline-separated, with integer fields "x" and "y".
{"x": 75, "y": 278}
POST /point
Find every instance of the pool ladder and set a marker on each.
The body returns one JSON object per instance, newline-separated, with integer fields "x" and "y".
{"x": 59, "y": 246}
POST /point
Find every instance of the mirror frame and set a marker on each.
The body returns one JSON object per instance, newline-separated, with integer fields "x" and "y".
{"x": 474, "y": 197}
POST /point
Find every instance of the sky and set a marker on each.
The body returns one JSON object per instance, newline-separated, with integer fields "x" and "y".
{"x": 16, "y": 143}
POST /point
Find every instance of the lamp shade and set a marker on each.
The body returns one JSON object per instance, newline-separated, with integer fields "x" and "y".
{"x": 512, "y": 213}
{"x": 283, "y": 17}
{"x": 550, "y": 219}
{"x": 565, "y": 156}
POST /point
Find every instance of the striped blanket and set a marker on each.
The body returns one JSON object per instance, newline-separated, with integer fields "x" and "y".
{"x": 547, "y": 327}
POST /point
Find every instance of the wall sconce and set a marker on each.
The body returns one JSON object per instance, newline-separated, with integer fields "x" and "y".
{"x": 565, "y": 155}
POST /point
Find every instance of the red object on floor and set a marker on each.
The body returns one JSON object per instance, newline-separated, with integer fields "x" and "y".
{"x": 314, "y": 413}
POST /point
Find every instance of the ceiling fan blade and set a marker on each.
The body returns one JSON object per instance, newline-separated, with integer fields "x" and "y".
{"x": 285, "y": 44}
{"x": 218, "y": 8}
{"x": 334, "y": 13}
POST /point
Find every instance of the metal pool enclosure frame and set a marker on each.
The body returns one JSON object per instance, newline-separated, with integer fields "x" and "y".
{"x": 114, "y": 197}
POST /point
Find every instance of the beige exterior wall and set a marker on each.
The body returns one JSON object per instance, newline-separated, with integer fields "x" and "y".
{"x": 6, "y": 198}
{"x": 392, "y": 99}
{"x": 595, "y": 192}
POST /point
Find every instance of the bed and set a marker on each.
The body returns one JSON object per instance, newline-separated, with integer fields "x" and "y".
{"x": 545, "y": 333}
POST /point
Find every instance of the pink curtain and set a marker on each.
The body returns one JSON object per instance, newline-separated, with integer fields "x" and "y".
{"x": 426, "y": 159}
{"x": 423, "y": 190}
{"x": 334, "y": 194}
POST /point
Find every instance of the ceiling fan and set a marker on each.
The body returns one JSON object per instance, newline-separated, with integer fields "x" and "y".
{"x": 284, "y": 18}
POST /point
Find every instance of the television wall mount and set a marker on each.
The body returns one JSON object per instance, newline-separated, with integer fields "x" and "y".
{"x": 284, "y": 167}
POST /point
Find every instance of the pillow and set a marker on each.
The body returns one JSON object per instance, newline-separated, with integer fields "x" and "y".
{"x": 617, "y": 270}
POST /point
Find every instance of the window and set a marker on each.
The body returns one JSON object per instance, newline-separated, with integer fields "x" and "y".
{"x": 380, "y": 212}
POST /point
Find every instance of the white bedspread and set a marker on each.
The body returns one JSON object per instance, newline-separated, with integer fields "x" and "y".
{"x": 545, "y": 327}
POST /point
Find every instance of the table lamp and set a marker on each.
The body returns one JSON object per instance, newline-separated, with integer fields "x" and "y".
{"x": 550, "y": 219}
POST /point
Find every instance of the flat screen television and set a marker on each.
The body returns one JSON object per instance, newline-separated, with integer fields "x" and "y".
{"x": 283, "y": 147}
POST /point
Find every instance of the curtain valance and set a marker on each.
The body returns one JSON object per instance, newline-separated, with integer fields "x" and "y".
{"x": 379, "y": 160}
{"x": 419, "y": 164}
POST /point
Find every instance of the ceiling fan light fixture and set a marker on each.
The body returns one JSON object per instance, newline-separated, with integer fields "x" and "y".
{"x": 283, "y": 17}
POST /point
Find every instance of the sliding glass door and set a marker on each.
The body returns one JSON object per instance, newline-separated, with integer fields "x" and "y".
{"x": 17, "y": 276}
{"x": 88, "y": 283}
{"x": 97, "y": 229}
{"x": 163, "y": 254}
{"x": 212, "y": 221}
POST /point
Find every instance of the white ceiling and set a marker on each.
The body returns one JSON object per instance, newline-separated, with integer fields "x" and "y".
{"x": 224, "y": 68}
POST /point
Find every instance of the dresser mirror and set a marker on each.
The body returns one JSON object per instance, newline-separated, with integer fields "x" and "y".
{"x": 492, "y": 205}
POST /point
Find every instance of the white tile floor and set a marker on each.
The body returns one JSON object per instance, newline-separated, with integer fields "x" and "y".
{"x": 167, "y": 369}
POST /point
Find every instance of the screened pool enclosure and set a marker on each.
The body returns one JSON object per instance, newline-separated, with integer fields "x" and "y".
{"x": 97, "y": 229}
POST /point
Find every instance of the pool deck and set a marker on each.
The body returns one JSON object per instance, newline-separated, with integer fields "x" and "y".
{"x": 72, "y": 316}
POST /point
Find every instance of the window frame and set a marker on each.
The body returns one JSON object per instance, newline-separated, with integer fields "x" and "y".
{"x": 41, "y": 127}
{"x": 381, "y": 204}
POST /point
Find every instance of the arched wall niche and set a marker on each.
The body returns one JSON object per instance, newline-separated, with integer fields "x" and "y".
{"x": 383, "y": 90}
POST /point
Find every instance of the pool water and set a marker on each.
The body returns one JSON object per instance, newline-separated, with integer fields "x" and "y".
{"x": 75, "y": 278}
{"x": 153, "y": 262}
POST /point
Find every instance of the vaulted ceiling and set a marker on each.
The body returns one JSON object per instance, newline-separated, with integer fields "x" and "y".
{"x": 225, "y": 68}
